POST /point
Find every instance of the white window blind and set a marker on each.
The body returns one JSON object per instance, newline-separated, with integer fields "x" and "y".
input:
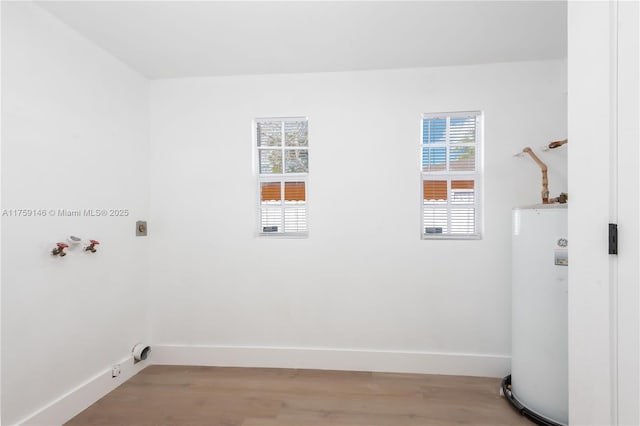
{"x": 282, "y": 169}
{"x": 450, "y": 164}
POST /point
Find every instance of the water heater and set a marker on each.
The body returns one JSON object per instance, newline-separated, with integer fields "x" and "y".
{"x": 539, "y": 345}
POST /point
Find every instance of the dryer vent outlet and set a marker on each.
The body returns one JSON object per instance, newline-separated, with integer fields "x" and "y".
{"x": 141, "y": 352}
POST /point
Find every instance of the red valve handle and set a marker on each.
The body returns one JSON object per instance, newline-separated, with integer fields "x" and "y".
{"x": 94, "y": 242}
{"x": 62, "y": 245}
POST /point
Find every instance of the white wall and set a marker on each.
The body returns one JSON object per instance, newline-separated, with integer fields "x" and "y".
{"x": 628, "y": 111}
{"x": 591, "y": 291}
{"x": 74, "y": 136}
{"x": 363, "y": 280}
{"x": 604, "y": 87}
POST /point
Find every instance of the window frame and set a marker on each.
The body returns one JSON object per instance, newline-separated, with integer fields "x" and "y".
{"x": 282, "y": 177}
{"x": 449, "y": 175}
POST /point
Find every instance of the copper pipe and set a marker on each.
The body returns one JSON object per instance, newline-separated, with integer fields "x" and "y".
{"x": 556, "y": 144}
{"x": 545, "y": 180}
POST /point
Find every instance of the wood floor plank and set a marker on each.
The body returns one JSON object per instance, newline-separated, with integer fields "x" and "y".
{"x": 216, "y": 396}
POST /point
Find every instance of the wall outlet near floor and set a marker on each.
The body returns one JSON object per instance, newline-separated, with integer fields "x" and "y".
{"x": 141, "y": 228}
{"x": 115, "y": 370}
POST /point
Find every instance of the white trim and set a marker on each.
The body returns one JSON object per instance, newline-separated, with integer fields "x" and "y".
{"x": 451, "y": 237}
{"x": 591, "y": 366}
{"x": 284, "y": 235}
{"x": 625, "y": 179}
{"x": 484, "y": 365}
{"x": 70, "y": 404}
{"x": 452, "y": 114}
{"x": 287, "y": 119}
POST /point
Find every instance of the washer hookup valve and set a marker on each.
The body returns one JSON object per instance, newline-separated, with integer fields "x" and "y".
{"x": 92, "y": 247}
{"x": 59, "y": 250}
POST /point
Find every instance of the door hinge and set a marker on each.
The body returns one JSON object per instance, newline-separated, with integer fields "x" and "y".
{"x": 613, "y": 238}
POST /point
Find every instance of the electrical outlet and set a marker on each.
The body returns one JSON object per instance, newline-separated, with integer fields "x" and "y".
{"x": 141, "y": 228}
{"x": 115, "y": 370}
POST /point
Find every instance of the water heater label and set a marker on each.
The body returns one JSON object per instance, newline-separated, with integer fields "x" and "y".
{"x": 561, "y": 257}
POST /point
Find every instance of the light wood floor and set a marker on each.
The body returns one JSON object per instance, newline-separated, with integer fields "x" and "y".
{"x": 213, "y": 396}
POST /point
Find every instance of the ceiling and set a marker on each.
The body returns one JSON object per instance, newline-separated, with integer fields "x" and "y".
{"x": 168, "y": 39}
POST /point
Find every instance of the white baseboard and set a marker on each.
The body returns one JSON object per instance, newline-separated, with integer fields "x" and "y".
{"x": 486, "y": 365}
{"x": 82, "y": 396}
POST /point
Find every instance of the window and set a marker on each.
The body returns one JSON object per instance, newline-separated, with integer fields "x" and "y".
{"x": 451, "y": 144}
{"x": 282, "y": 168}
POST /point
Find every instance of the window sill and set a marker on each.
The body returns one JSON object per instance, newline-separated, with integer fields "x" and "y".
{"x": 282, "y": 235}
{"x": 451, "y": 237}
